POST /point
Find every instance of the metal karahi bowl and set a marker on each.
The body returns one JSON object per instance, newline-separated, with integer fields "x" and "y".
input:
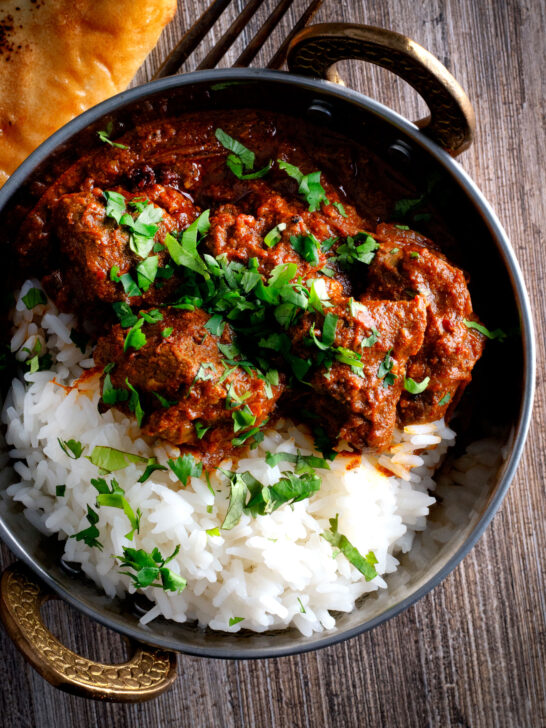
{"x": 491, "y": 408}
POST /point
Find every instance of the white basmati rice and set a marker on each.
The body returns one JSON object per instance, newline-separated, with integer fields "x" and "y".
{"x": 271, "y": 571}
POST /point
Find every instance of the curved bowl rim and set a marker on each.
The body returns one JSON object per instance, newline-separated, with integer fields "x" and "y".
{"x": 323, "y": 88}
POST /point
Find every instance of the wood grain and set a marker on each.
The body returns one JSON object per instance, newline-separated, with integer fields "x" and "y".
{"x": 471, "y": 653}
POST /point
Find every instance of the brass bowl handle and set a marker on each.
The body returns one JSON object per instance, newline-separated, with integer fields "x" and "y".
{"x": 315, "y": 50}
{"x": 146, "y": 675}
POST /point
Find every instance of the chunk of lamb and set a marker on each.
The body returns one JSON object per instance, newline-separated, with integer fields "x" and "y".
{"x": 404, "y": 266}
{"x": 186, "y": 368}
{"x": 358, "y": 404}
{"x": 91, "y": 244}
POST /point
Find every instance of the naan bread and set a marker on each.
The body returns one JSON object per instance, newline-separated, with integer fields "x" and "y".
{"x": 59, "y": 57}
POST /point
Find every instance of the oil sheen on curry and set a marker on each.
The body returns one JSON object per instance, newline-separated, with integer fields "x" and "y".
{"x": 233, "y": 270}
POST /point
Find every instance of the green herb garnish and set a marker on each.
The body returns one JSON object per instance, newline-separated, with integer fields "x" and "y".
{"x": 72, "y": 448}
{"x": 104, "y": 136}
{"x": 150, "y": 569}
{"x": 90, "y": 535}
{"x": 34, "y": 297}
{"x": 384, "y": 372}
{"x": 365, "y": 564}
{"x": 413, "y": 387}
{"x": 496, "y": 334}
{"x": 185, "y": 466}
{"x": 309, "y": 185}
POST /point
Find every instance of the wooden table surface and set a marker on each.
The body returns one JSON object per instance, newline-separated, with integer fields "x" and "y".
{"x": 471, "y": 653}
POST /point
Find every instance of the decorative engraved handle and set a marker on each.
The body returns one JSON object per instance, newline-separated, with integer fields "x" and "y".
{"x": 146, "y": 675}
{"x": 314, "y": 51}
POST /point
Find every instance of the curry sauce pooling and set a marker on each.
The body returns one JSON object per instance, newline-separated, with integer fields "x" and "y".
{"x": 229, "y": 279}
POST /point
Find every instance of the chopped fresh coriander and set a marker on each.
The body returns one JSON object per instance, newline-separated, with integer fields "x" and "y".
{"x": 165, "y": 333}
{"x": 274, "y": 235}
{"x": 108, "y": 459}
{"x": 307, "y": 246}
{"x": 365, "y": 564}
{"x": 302, "y": 608}
{"x": 80, "y": 340}
{"x": 215, "y": 325}
{"x": 254, "y": 433}
{"x": 116, "y": 206}
{"x": 242, "y": 418}
{"x": 235, "y": 620}
{"x": 339, "y": 207}
{"x": 327, "y": 244}
{"x": 414, "y": 254}
{"x": 134, "y": 403}
{"x": 185, "y": 252}
{"x": 114, "y": 497}
{"x": 153, "y": 316}
{"x": 111, "y": 395}
{"x": 384, "y": 372}
{"x": 351, "y": 358}
{"x": 413, "y": 387}
{"x": 89, "y": 535}
{"x": 60, "y": 491}
{"x": 403, "y": 207}
{"x": 308, "y": 185}
{"x": 395, "y": 250}
{"x": 445, "y": 399}
{"x": 496, "y": 334}
{"x": 147, "y": 272}
{"x": 151, "y": 466}
{"x": 237, "y": 499}
{"x": 124, "y": 314}
{"x": 241, "y": 159}
{"x": 104, "y": 136}
{"x": 150, "y": 569}
{"x": 34, "y": 297}
{"x": 323, "y": 443}
{"x": 302, "y": 462}
{"x": 357, "y": 249}
{"x": 163, "y": 401}
{"x": 135, "y": 337}
{"x": 38, "y": 363}
{"x": 200, "y": 429}
{"x": 129, "y": 285}
{"x": 213, "y": 531}
{"x": 72, "y": 448}
{"x": 318, "y": 295}
{"x": 402, "y": 227}
{"x": 185, "y": 466}
{"x": 370, "y": 340}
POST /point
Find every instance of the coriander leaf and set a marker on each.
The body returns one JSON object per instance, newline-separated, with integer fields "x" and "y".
{"x": 104, "y": 136}
{"x": 308, "y": 185}
{"x": 124, "y": 314}
{"x": 302, "y": 462}
{"x": 414, "y": 254}
{"x": 372, "y": 339}
{"x": 253, "y": 433}
{"x": 445, "y": 399}
{"x": 167, "y": 332}
{"x": 274, "y": 235}
{"x": 135, "y": 337}
{"x": 235, "y": 164}
{"x": 496, "y": 334}
{"x": 302, "y": 608}
{"x": 111, "y": 395}
{"x": 60, "y": 491}
{"x": 134, "y": 403}
{"x": 164, "y": 402}
{"x": 239, "y": 150}
{"x": 318, "y": 295}
{"x": 323, "y": 443}
{"x": 243, "y": 418}
{"x": 215, "y": 325}
{"x": 147, "y": 272}
{"x": 80, "y": 340}
{"x": 126, "y": 280}
{"x": 348, "y": 357}
{"x": 149, "y": 567}
{"x": 185, "y": 253}
{"x": 115, "y": 205}
{"x": 358, "y": 249}
{"x": 236, "y": 502}
{"x": 89, "y": 535}
{"x": 404, "y": 227}
{"x": 153, "y": 316}
{"x": 151, "y": 467}
{"x": 307, "y": 246}
{"x": 413, "y": 387}
{"x": 200, "y": 429}
{"x": 108, "y": 459}
{"x": 235, "y": 620}
{"x": 72, "y": 448}
{"x": 282, "y": 274}
{"x": 185, "y": 467}
{"x": 114, "y": 497}
{"x": 365, "y": 564}
{"x": 339, "y": 207}
{"x": 384, "y": 371}
{"x": 329, "y": 329}
{"x": 213, "y": 531}
{"x": 34, "y": 297}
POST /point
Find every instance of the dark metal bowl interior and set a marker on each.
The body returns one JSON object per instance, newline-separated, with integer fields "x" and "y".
{"x": 490, "y": 407}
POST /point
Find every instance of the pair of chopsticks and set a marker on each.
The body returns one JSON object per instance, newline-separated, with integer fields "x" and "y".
{"x": 194, "y": 35}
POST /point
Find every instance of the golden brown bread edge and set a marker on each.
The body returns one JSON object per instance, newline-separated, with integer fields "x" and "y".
{"x": 60, "y": 57}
